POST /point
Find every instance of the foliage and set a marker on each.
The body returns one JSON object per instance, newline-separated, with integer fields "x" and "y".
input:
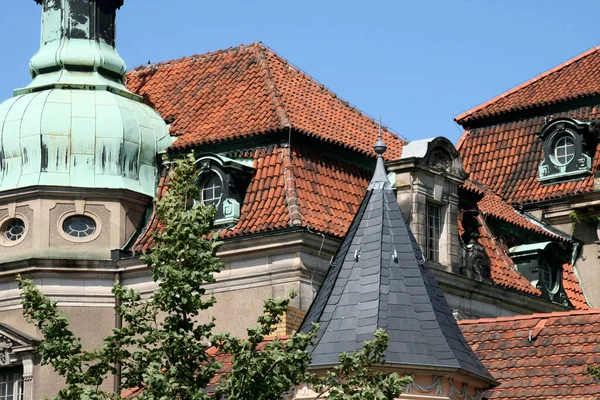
{"x": 356, "y": 379}
{"x": 264, "y": 370}
{"x": 163, "y": 347}
{"x": 594, "y": 371}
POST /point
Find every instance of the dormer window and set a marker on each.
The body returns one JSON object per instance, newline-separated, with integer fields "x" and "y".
{"x": 541, "y": 264}
{"x": 222, "y": 183}
{"x": 568, "y": 147}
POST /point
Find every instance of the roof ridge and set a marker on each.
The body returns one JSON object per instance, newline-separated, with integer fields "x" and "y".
{"x": 289, "y": 185}
{"x": 556, "y": 314}
{"x": 193, "y": 57}
{"x": 536, "y": 78}
{"x": 272, "y": 91}
{"x": 330, "y": 92}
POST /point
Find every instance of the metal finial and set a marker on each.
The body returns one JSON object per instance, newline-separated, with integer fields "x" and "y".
{"x": 380, "y": 146}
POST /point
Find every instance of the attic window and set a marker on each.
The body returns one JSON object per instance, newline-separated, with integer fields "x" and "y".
{"x": 568, "y": 147}
{"x": 564, "y": 150}
{"x": 223, "y": 182}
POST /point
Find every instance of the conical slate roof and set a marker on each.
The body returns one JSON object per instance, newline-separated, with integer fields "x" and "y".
{"x": 379, "y": 278}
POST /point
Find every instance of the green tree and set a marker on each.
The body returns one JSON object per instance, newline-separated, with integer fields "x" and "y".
{"x": 162, "y": 346}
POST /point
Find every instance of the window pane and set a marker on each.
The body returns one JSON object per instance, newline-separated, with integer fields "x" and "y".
{"x": 433, "y": 232}
{"x": 11, "y": 384}
{"x": 211, "y": 190}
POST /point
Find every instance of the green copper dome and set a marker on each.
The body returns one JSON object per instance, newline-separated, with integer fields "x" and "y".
{"x": 76, "y": 124}
{"x": 79, "y": 138}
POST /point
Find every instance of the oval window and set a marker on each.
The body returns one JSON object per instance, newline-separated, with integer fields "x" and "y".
{"x": 79, "y": 226}
{"x": 564, "y": 150}
{"x": 13, "y": 229}
{"x": 212, "y": 189}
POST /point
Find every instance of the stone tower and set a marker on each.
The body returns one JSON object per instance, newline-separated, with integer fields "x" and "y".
{"x": 78, "y": 170}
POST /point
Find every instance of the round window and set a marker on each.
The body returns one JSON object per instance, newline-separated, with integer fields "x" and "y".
{"x": 13, "y": 229}
{"x": 564, "y": 150}
{"x": 79, "y": 226}
{"x": 212, "y": 189}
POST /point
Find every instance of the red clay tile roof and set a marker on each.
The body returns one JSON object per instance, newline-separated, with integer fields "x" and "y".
{"x": 328, "y": 194}
{"x": 570, "y": 282}
{"x": 505, "y": 158}
{"x": 578, "y": 77}
{"x": 503, "y": 270}
{"x": 493, "y": 206}
{"x": 247, "y": 91}
{"x": 552, "y": 365}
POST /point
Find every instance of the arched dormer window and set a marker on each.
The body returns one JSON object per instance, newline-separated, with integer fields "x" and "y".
{"x": 567, "y": 150}
{"x": 222, "y": 183}
{"x": 541, "y": 264}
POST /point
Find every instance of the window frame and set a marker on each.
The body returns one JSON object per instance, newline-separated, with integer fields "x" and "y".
{"x": 16, "y": 373}
{"x": 433, "y": 238}
{"x": 557, "y": 146}
{"x": 216, "y": 201}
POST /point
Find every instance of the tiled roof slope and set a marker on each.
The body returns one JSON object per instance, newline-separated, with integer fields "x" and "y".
{"x": 379, "y": 278}
{"x": 570, "y": 282}
{"x": 551, "y": 365}
{"x": 505, "y": 158}
{"x": 247, "y": 91}
{"x": 328, "y": 194}
{"x": 492, "y": 205}
{"x": 576, "y": 78}
{"x": 503, "y": 271}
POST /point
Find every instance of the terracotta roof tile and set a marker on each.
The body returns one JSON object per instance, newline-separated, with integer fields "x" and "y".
{"x": 247, "y": 91}
{"x": 576, "y": 78}
{"x": 325, "y": 204}
{"x": 572, "y": 288}
{"x": 551, "y": 364}
{"x": 504, "y": 272}
{"x": 493, "y": 206}
{"x": 505, "y": 158}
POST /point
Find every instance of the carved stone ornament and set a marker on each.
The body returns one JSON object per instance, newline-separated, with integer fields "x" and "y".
{"x": 5, "y": 350}
{"x": 476, "y": 264}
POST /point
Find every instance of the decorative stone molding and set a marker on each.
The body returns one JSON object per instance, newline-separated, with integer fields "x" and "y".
{"x": 476, "y": 264}
{"x": 5, "y": 350}
{"x": 436, "y": 386}
{"x": 18, "y": 349}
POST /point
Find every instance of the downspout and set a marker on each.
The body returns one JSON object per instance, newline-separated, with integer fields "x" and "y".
{"x": 118, "y": 325}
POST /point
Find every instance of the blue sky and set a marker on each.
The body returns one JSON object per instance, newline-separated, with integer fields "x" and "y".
{"x": 416, "y": 63}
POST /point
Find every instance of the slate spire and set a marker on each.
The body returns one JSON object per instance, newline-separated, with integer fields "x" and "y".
{"x": 379, "y": 278}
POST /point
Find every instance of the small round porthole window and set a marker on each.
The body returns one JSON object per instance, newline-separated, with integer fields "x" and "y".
{"x": 13, "y": 230}
{"x": 79, "y": 226}
{"x": 564, "y": 150}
